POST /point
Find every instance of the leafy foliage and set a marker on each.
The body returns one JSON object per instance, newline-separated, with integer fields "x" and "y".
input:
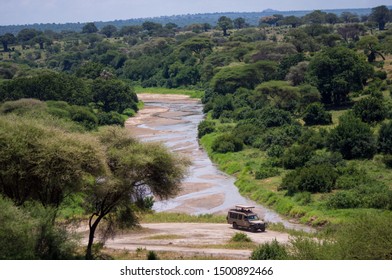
{"x": 352, "y": 138}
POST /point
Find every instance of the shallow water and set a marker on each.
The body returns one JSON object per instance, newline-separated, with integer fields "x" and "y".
{"x": 207, "y": 190}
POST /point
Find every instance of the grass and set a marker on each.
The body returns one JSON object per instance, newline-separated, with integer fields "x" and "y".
{"x": 193, "y": 93}
{"x": 166, "y": 217}
{"x": 141, "y": 254}
{"x": 165, "y": 237}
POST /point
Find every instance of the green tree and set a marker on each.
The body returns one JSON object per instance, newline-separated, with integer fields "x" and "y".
{"x": 239, "y": 23}
{"x": 136, "y": 169}
{"x": 280, "y": 94}
{"x": 370, "y": 109}
{"x": 381, "y": 15}
{"x": 113, "y": 95}
{"x": 7, "y": 39}
{"x": 48, "y": 86}
{"x": 315, "y": 114}
{"x": 230, "y": 78}
{"x": 352, "y": 138}
{"x": 371, "y": 46}
{"x": 331, "y": 18}
{"x": 337, "y": 71}
{"x": 109, "y": 30}
{"x": 44, "y": 163}
{"x": 315, "y": 17}
{"x": 41, "y": 40}
{"x": 89, "y": 28}
{"x": 293, "y": 21}
{"x": 313, "y": 179}
{"x": 26, "y": 34}
{"x": 225, "y": 23}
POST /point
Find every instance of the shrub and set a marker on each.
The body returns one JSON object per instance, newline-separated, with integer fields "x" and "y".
{"x": 129, "y": 112}
{"x": 227, "y": 143}
{"x": 266, "y": 172}
{"x": 387, "y": 159}
{"x": 283, "y": 136}
{"x": 247, "y": 132}
{"x": 110, "y": 118}
{"x": 385, "y": 138}
{"x": 151, "y": 255}
{"x": 240, "y": 237}
{"x": 313, "y": 179}
{"x": 272, "y": 117}
{"x": 16, "y": 227}
{"x": 370, "y": 109}
{"x": 21, "y": 106}
{"x": 205, "y": 127}
{"x": 84, "y": 116}
{"x": 315, "y": 114}
{"x": 366, "y": 237}
{"x": 352, "y": 138}
{"x": 334, "y": 159}
{"x": 296, "y": 156}
{"x": 343, "y": 200}
{"x": 270, "y": 251}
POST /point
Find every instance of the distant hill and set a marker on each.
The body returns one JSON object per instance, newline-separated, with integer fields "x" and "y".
{"x": 181, "y": 20}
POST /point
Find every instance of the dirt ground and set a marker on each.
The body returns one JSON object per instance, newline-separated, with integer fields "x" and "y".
{"x": 190, "y": 239}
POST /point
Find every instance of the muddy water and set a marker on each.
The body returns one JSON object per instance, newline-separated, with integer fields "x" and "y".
{"x": 173, "y": 120}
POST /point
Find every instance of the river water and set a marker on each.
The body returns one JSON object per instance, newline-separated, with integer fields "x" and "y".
{"x": 173, "y": 120}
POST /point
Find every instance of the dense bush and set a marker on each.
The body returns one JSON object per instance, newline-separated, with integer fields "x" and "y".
{"x": 227, "y": 143}
{"x": 266, "y": 172}
{"x": 270, "y": 251}
{"x": 283, "y": 136}
{"x": 352, "y": 138}
{"x": 205, "y": 127}
{"x": 313, "y": 179}
{"x": 315, "y": 114}
{"x": 385, "y": 138}
{"x": 296, "y": 156}
{"x": 110, "y": 118}
{"x": 370, "y": 109}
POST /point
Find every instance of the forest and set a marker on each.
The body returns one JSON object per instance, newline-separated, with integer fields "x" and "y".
{"x": 298, "y": 108}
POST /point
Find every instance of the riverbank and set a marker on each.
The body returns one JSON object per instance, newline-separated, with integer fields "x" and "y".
{"x": 173, "y": 120}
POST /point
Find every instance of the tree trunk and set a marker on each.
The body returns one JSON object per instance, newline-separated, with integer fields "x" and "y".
{"x": 93, "y": 227}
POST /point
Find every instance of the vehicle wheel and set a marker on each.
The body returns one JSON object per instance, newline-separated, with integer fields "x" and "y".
{"x": 253, "y": 229}
{"x": 235, "y": 225}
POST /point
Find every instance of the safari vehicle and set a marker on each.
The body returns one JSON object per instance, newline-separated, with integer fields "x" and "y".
{"x": 242, "y": 216}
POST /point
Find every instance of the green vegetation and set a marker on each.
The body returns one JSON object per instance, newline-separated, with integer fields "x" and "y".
{"x": 298, "y": 108}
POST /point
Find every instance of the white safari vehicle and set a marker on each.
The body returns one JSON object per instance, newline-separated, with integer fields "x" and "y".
{"x": 242, "y": 216}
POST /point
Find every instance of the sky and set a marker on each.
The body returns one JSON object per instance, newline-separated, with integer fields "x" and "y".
{"x": 62, "y": 11}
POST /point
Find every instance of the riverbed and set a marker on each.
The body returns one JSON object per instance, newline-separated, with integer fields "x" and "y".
{"x": 173, "y": 120}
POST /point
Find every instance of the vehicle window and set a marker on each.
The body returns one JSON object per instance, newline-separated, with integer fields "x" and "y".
{"x": 253, "y": 217}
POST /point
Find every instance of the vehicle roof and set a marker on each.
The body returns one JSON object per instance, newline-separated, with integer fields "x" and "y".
{"x": 244, "y": 206}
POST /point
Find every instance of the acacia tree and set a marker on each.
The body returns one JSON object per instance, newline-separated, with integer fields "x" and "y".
{"x": 136, "y": 169}
{"x": 6, "y": 40}
{"x": 225, "y": 23}
{"x": 381, "y": 15}
{"x": 45, "y": 164}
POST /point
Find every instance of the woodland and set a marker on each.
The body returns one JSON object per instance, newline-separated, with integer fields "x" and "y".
{"x": 297, "y": 107}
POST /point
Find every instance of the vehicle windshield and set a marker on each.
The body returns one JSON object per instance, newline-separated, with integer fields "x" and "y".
{"x": 253, "y": 217}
